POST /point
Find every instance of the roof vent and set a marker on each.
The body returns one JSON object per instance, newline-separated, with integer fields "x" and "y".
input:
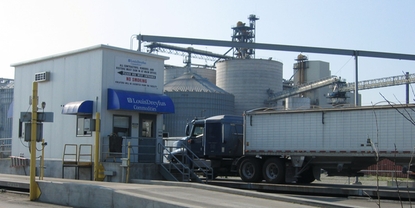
{"x": 42, "y": 76}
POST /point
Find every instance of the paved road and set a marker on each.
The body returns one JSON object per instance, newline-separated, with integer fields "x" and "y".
{"x": 15, "y": 200}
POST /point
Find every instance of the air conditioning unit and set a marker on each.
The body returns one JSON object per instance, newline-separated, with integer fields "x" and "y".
{"x": 42, "y": 76}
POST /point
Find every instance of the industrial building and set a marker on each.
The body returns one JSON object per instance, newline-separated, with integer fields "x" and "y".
{"x": 124, "y": 87}
{"x": 6, "y": 100}
{"x": 139, "y": 101}
{"x": 248, "y": 80}
{"x": 6, "y": 107}
{"x": 194, "y": 96}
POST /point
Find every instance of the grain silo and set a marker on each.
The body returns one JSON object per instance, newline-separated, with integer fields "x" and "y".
{"x": 194, "y": 96}
{"x": 172, "y": 72}
{"x": 248, "y": 80}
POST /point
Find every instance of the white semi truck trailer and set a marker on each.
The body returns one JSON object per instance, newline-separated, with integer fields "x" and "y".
{"x": 284, "y": 146}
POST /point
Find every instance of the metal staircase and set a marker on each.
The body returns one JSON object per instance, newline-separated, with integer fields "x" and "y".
{"x": 186, "y": 166}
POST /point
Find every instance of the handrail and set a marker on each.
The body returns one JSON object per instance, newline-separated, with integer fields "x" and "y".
{"x": 188, "y": 158}
{"x": 205, "y": 169}
{"x": 186, "y": 169}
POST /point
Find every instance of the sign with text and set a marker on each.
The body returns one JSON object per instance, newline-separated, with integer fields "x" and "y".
{"x": 135, "y": 72}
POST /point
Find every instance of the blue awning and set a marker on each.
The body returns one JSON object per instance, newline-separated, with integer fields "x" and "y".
{"x": 84, "y": 107}
{"x": 138, "y": 101}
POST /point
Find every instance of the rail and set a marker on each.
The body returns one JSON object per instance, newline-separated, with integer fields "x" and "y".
{"x": 179, "y": 166}
{"x": 187, "y": 160}
{"x": 74, "y": 157}
{"x": 113, "y": 148}
{"x": 381, "y": 82}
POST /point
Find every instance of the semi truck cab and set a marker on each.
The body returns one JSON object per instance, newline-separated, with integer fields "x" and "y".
{"x": 217, "y": 139}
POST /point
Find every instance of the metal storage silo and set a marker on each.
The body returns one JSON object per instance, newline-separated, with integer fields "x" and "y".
{"x": 248, "y": 80}
{"x": 194, "y": 96}
{"x": 171, "y": 72}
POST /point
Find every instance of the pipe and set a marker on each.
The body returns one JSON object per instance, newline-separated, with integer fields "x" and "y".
{"x": 42, "y": 161}
{"x": 96, "y": 152}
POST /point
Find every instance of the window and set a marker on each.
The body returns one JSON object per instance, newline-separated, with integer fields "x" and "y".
{"x": 84, "y": 126}
{"x": 122, "y": 125}
{"x": 214, "y": 132}
{"x": 147, "y": 126}
{"x": 198, "y": 130}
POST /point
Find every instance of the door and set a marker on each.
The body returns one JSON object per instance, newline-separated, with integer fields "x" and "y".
{"x": 197, "y": 139}
{"x": 147, "y": 138}
{"x": 213, "y": 138}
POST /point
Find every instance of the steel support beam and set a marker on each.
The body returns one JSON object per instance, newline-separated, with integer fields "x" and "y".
{"x": 276, "y": 47}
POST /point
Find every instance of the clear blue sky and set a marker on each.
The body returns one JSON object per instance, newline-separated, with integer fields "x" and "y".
{"x": 34, "y": 29}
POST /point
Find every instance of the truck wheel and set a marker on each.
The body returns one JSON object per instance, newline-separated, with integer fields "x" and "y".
{"x": 274, "y": 170}
{"x": 250, "y": 170}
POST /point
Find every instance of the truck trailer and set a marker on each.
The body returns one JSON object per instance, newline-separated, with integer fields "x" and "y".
{"x": 295, "y": 146}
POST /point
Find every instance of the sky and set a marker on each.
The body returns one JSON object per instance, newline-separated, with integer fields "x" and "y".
{"x": 35, "y": 29}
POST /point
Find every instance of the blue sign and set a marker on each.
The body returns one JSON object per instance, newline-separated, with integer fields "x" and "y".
{"x": 138, "y": 101}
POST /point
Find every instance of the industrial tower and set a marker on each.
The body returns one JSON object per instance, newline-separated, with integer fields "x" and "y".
{"x": 244, "y": 34}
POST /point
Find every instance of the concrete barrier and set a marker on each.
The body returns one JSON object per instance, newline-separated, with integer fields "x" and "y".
{"x": 90, "y": 195}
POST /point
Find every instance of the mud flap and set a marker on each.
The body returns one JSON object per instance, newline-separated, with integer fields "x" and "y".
{"x": 290, "y": 174}
{"x": 317, "y": 173}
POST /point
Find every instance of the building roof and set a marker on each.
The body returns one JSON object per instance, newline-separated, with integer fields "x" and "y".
{"x": 88, "y": 49}
{"x": 6, "y": 83}
{"x": 191, "y": 82}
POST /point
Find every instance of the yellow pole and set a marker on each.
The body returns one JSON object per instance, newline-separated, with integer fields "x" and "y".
{"x": 42, "y": 161}
{"x": 96, "y": 153}
{"x": 128, "y": 163}
{"x": 34, "y": 193}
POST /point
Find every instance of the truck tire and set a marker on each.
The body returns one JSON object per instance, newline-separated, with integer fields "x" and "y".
{"x": 274, "y": 170}
{"x": 250, "y": 170}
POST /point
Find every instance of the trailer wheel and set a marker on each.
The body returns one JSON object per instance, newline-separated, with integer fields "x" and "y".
{"x": 250, "y": 170}
{"x": 274, "y": 170}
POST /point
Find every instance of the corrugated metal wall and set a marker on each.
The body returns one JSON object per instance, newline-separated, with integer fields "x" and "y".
{"x": 249, "y": 80}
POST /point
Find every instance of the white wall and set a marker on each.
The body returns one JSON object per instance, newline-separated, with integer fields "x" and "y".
{"x": 84, "y": 74}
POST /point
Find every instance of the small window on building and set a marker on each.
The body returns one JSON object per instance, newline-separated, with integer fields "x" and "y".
{"x": 84, "y": 126}
{"x": 147, "y": 129}
{"x": 122, "y": 125}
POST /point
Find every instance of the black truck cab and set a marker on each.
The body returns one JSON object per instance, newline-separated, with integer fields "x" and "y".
{"x": 217, "y": 137}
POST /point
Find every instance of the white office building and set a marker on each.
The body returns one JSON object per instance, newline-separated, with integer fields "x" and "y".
{"x": 124, "y": 86}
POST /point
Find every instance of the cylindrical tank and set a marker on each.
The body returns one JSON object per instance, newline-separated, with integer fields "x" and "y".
{"x": 194, "y": 96}
{"x": 171, "y": 73}
{"x": 248, "y": 80}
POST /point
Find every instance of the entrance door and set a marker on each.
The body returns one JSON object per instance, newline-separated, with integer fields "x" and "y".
{"x": 147, "y": 138}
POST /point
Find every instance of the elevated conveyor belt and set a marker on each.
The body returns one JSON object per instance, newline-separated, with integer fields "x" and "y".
{"x": 301, "y": 88}
{"x": 381, "y": 82}
{"x": 363, "y": 85}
